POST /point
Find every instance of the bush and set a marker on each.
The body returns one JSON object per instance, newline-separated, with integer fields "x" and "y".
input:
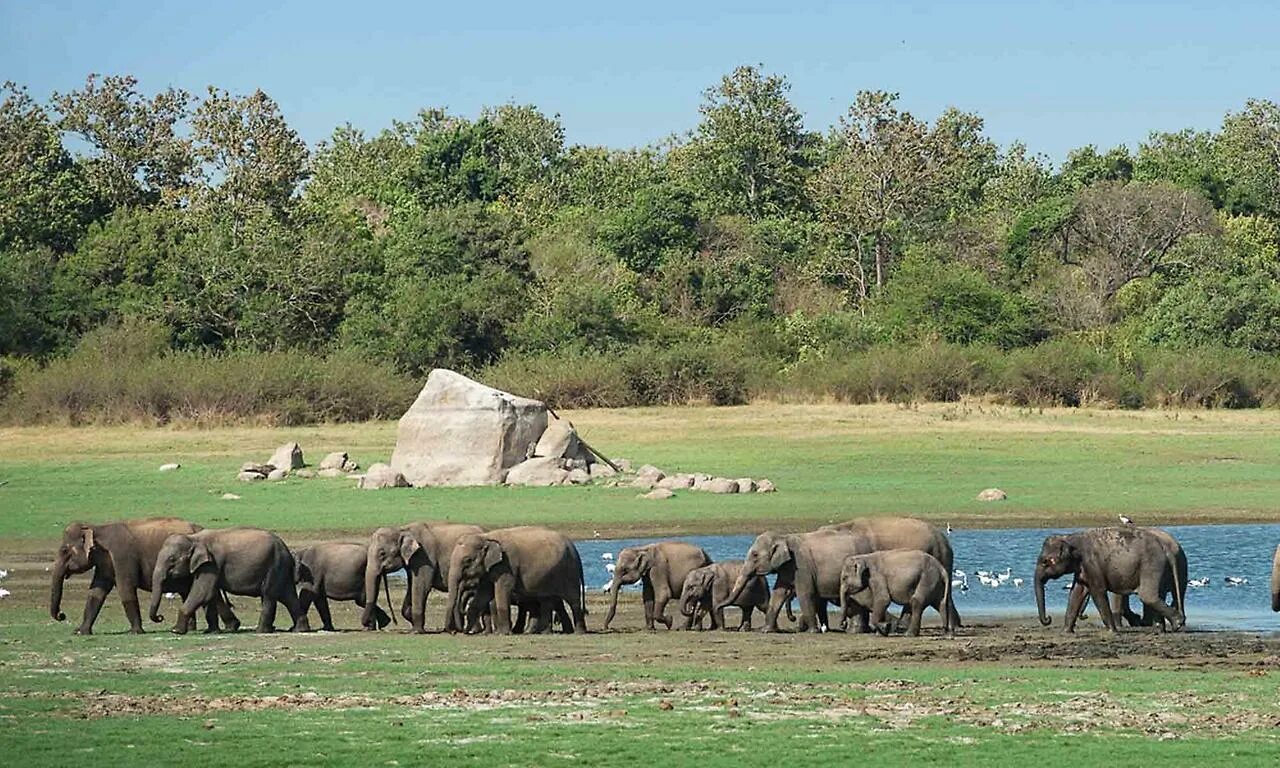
{"x": 936, "y": 372}
{"x": 1061, "y": 372}
{"x": 1209, "y": 378}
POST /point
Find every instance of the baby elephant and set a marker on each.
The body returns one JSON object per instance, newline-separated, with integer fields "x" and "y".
{"x": 908, "y": 577}
{"x": 334, "y": 570}
{"x": 706, "y": 589}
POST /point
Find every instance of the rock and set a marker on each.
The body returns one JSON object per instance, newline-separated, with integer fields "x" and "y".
{"x": 460, "y": 432}
{"x": 623, "y": 464}
{"x": 644, "y": 481}
{"x": 277, "y": 474}
{"x": 305, "y": 474}
{"x": 382, "y": 476}
{"x": 253, "y": 466}
{"x": 766, "y": 486}
{"x": 331, "y": 473}
{"x": 992, "y": 494}
{"x": 540, "y": 471}
{"x": 746, "y": 485}
{"x": 349, "y": 466}
{"x": 230, "y": 497}
{"x": 170, "y": 467}
{"x": 700, "y": 477}
{"x": 676, "y": 482}
{"x": 335, "y": 460}
{"x": 287, "y": 457}
{"x": 719, "y": 485}
{"x": 578, "y": 477}
{"x": 250, "y": 477}
{"x": 558, "y": 440}
{"x": 659, "y": 493}
{"x": 600, "y": 469}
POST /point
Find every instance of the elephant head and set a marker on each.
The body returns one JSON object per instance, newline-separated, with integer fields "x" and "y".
{"x": 473, "y": 558}
{"x": 697, "y": 586}
{"x": 854, "y": 578}
{"x": 390, "y": 549}
{"x": 74, "y": 556}
{"x": 633, "y": 564}
{"x": 179, "y": 558}
{"x": 768, "y": 553}
{"x": 1058, "y": 556}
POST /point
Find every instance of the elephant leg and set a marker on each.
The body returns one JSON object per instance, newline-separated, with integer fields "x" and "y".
{"x": 132, "y": 610}
{"x": 1075, "y": 606}
{"x": 502, "y": 610}
{"x": 917, "y": 615}
{"x": 1109, "y": 619}
{"x": 322, "y": 608}
{"x": 543, "y": 623}
{"x": 406, "y": 605}
{"x": 419, "y": 589}
{"x": 98, "y": 591}
{"x": 745, "y": 624}
{"x": 307, "y": 597}
{"x": 646, "y": 591}
{"x": 267, "y": 616}
{"x": 879, "y": 612}
{"x": 1153, "y": 601}
{"x": 289, "y": 597}
{"x": 717, "y": 618}
{"x": 380, "y": 617}
{"x": 222, "y": 610}
{"x": 1120, "y": 607}
{"x": 522, "y": 619}
{"x": 662, "y": 595}
{"x": 809, "y": 606}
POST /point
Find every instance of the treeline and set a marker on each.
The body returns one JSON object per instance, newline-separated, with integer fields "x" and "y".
{"x": 166, "y": 256}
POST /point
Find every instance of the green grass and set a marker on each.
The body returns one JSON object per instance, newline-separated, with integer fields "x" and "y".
{"x": 390, "y": 698}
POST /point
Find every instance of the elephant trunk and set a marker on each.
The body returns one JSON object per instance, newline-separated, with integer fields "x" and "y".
{"x": 1041, "y": 578}
{"x": 614, "y": 588}
{"x": 455, "y": 600}
{"x": 739, "y": 584}
{"x": 157, "y": 592}
{"x": 688, "y": 601}
{"x": 55, "y": 590}
{"x": 371, "y": 575}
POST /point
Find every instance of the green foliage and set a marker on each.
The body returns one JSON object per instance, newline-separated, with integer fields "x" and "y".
{"x": 27, "y": 322}
{"x": 1232, "y": 310}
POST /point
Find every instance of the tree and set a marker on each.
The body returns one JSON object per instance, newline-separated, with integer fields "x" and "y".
{"x": 1120, "y": 232}
{"x": 45, "y": 199}
{"x": 1249, "y": 151}
{"x": 138, "y": 155}
{"x": 749, "y": 155}
{"x": 1085, "y": 166}
{"x": 1186, "y": 158}
{"x": 253, "y": 159}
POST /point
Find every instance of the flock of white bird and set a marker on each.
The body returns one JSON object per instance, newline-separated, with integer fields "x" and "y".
{"x": 960, "y": 579}
{"x": 4, "y": 575}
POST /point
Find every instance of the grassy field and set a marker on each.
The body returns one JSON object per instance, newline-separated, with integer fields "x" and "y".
{"x": 999, "y": 694}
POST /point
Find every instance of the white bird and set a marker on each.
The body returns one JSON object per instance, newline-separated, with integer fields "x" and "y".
{"x": 1126, "y": 520}
{"x": 1017, "y": 582}
{"x": 607, "y": 556}
{"x": 961, "y": 584}
{"x": 1068, "y": 586}
{"x": 948, "y": 529}
{"x": 609, "y": 567}
{"x": 3, "y": 573}
{"x": 1202, "y": 582}
{"x": 959, "y": 574}
{"x": 605, "y": 586}
{"x": 988, "y": 581}
{"x": 983, "y": 573}
{"x": 1235, "y": 581}
{"x": 4, "y": 592}
{"x": 170, "y": 595}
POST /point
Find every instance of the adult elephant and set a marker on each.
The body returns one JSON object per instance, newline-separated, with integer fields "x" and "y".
{"x": 661, "y": 568}
{"x": 240, "y": 561}
{"x": 422, "y": 550}
{"x": 1121, "y": 559}
{"x": 1275, "y": 581}
{"x": 1120, "y": 602}
{"x": 807, "y": 565}
{"x": 518, "y": 565}
{"x": 333, "y": 570}
{"x": 121, "y": 554}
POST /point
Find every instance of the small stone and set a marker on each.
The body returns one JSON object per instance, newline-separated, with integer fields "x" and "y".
{"x": 330, "y": 473}
{"x": 718, "y": 485}
{"x": 250, "y": 477}
{"x": 253, "y": 466}
{"x": 766, "y": 486}
{"x": 665, "y": 705}
{"x": 305, "y": 474}
{"x": 577, "y": 477}
{"x": 992, "y": 494}
{"x": 676, "y": 482}
{"x": 349, "y": 466}
{"x": 230, "y": 497}
{"x": 170, "y": 467}
{"x": 600, "y": 470}
{"x": 208, "y": 725}
{"x": 746, "y": 485}
{"x": 652, "y": 472}
{"x": 335, "y": 460}
{"x": 623, "y": 464}
{"x": 645, "y": 483}
{"x": 658, "y": 493}
{"x": 277, "y": 475}
{"x": 382, "y": 476}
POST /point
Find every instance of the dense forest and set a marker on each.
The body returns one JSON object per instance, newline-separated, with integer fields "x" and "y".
{"x": 171, "y": 256}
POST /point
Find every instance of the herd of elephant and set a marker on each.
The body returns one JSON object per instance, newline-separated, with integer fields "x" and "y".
{"x": 863, "y": 566}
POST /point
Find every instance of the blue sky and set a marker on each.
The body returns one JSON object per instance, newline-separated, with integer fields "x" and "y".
{"x": 1054, "y": 75}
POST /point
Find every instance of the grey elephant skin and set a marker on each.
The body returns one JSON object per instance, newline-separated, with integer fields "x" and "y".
{"x": 333, "y": 570}
{"x": 518, "y": 565}
{"x": 1120, "y": 603}
{"x": 706, "y": 590}
{"x": 1275, "y": 581}
{"x": 1123, "y": 560}
{"x": 661, "y": 568}
{"x": 910, "y": 578}
{"x": 240, "y": 561}
{"x": 422, "y": 549}
{"x": 807, "y": 565}
{"x": 121, "y": 555}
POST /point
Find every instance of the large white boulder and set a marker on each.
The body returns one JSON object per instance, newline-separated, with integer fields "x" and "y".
{"x": 540, "y": 470}
{"x": 287, "y": 457}
{"x": 381, "y": 476}
{"x": 460, "y": 432}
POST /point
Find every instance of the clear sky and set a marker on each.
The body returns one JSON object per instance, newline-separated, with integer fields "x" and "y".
{"x": 1054, "y": 75}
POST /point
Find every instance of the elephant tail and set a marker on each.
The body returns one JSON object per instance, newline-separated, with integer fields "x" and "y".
{"x": 1178, "y": 588}
{"x": 582, "y": 590}
{"x": 225, "y": 597}
{"x": 948, "y": 609}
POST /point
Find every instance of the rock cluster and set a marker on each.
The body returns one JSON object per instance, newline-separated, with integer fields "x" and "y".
{"x": 288, "y": 461}
{"x": 650, "y": 478}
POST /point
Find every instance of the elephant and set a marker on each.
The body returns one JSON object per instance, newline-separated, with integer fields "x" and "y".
{"x": 479, "y": 610}
{"x": 333, "y": 570}
{"x": 1123, "y": 560}
{"x": 240, "y": 561}
{"x": 1275, "y": 581}
{"x": 1120, "y": 602}
{"x": 518, "y": 565}
{"x": 122, "y": 554}
{"x": 422, "y": 550}
{"x": 807, "y": 565}
{"x": 661, "y": 568}
{"x": 908, "y": 577}
{"x": 705, "y": 589}
{"x": 883, "y": 533}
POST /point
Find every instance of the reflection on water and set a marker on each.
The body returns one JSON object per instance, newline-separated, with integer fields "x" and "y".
{"x": 1214, "y": 552}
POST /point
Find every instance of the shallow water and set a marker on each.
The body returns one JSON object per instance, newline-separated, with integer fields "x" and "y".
{"x": 1213, "y": 551}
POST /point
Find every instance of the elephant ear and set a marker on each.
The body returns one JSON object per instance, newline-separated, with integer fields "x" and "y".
{"x": 200, "y": 556}
{"x": 408, "y": 546}
{"x": 863, "y": 575}
{"x": 492, "y": 554}
{"x": 779, "y": 554}
{"x": 644, "y": 559}
{"x": 88, "y": 539}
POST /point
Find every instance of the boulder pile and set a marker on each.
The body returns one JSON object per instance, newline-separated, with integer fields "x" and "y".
{"x": 288, "y": 461}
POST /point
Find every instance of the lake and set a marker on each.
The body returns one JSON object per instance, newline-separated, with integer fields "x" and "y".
{"x": 1213, "y": 551}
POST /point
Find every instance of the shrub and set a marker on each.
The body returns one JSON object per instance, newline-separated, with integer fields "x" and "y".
{"x": 1061, "y": 372}
{"x": 1209, "y": 378}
